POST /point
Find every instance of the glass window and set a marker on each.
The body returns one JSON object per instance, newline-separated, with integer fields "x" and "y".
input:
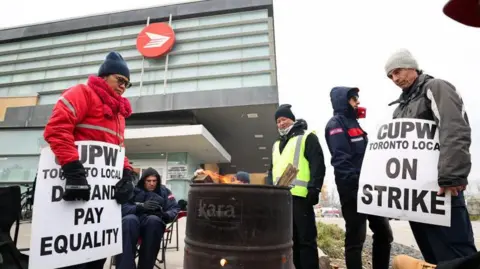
{"x": 177, "y": 158}
{"x": 10, "y": 46}
{"x": 28, "y": 76}
{"x": 18, "y": 168}
{"x": 48, "y": 99}
{"x": 130, "y": 30}
{"x": 36, "y": 43}
{"x": 21, "y": 142}
{"x": 34, "y": 64}
{"x": 256, "y": 80}
{"x": 219, "y": 83}
{"x": 6, "y": 79}
{"x": 253, "y": 15}
{"x": 58, "y": 73}
{"x": 103, "y": 45}
{"x": 67, "y": 49}
{"x": 104, "y": 33}
{"x": 8, "y": 57}
{"x": 7, "y": 67}
{"x": 159, "y": 155}
{"x": 69, "y": 38}
{"x": 33, "y": 54}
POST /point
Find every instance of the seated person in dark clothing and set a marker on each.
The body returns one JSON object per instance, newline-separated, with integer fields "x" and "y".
{"x": 145, "y": 217}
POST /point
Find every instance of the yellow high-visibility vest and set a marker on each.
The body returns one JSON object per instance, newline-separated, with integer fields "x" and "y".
{"x": 294, "y": 153}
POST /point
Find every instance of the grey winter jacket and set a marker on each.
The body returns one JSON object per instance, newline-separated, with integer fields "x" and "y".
{"x": 435, "y": 99}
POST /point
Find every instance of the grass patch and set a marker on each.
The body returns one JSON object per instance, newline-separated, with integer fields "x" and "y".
{"x": 331, "y": 240}
{"x": 474, "y": 218}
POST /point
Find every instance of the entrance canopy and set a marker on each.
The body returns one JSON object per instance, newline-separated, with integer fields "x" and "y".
{"x": 194, "y": 139}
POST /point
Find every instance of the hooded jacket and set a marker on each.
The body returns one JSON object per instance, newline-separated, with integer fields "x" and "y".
{"x": 346, "y": 140}
{"x": 161, "y": 193}
{"x": 313, "y": 153}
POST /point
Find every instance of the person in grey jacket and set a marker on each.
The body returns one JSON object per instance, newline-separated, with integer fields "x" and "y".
{"x": 429, "y": 98}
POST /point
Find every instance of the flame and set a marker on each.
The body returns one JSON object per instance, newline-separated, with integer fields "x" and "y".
{"x": 223, "y": 262}
{"x": 222, "y": 179}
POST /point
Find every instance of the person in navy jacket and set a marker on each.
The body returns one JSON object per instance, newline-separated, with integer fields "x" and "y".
{"x": 347, "y": 142}
{"x": 145, "y": 216}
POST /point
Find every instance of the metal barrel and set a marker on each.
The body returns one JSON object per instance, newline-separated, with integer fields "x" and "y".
{"x": 238, "y": 226}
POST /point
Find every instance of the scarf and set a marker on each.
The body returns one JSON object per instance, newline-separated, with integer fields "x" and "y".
{"x": 113, "y": 103}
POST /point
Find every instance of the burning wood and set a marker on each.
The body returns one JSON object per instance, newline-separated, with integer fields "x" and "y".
{"x": 206, "y": 176}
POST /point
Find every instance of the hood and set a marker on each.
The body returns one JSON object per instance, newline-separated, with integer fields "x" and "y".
{"x": 339, "y": 99}
{"x": 146, "y": 173}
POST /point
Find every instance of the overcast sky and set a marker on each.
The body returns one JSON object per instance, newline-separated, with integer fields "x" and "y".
{"x": 322, "y": 44}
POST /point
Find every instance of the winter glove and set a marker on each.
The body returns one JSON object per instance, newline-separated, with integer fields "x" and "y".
{"x": 312, "y": 196}
{"x": 124, "y": 187}
{"x": 149, "y": 207}
{"x": 76, "y": 184}
{"x": 161, "y": 214}
{"x": 152, "y": 206}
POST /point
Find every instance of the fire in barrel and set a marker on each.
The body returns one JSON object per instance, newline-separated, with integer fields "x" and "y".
{"x": 238, "y": 226}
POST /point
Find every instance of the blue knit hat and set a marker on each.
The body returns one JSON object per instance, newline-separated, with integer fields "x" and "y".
{"x": 114, "y": 64}
{"x": 243, "y": 177}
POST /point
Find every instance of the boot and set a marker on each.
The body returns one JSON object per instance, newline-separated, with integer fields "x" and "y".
{"x": 407, "y": 262}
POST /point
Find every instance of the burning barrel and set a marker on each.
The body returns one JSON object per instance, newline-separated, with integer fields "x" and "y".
{"x": 238, "y": 226}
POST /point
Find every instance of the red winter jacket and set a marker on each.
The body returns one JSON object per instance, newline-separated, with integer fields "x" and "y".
{"x": 86, "y": 112}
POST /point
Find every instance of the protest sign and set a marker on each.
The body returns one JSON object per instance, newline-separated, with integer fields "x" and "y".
{"x": 68, "y": 233}
{"x": 399, "y": 176}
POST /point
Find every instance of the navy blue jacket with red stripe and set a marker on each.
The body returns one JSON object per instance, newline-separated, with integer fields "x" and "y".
{"x": 346, "y": 141}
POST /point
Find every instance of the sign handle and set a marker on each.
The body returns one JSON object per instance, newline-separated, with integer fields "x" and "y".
{"x": 166, "y": 62}
{"x": 143, "y": 62}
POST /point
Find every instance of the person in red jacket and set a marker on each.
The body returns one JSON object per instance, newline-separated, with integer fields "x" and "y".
{"x": 93, "y": 111}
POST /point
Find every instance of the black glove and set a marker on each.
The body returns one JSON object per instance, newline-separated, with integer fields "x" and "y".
{"x": 312, "y": 196}
{"x": 150, "y": 207}
{"x": 76, "y": 184}
{"x": 161, "y": 214}
{"x": 124, "y": 187}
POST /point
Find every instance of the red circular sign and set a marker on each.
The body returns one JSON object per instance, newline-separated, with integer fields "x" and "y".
{"x": 155, "y": 40}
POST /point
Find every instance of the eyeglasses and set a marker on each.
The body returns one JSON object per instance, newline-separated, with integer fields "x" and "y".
{"x": 122, "y": 81}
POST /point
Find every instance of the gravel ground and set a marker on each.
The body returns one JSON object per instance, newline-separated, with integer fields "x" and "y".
{"x": 397, "y": 249}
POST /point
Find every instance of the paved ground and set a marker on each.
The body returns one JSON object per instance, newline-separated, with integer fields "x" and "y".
{"x": 401, "y": 230}
{"x": 174, "y": 257}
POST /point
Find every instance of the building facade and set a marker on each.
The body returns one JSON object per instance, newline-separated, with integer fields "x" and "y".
{"x": 210, "y": 104}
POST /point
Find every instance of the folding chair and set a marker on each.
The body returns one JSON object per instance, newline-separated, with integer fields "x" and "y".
{"x": 167, "y": 238}
{"x": 180, "y": 215}
{"x": 10, "y": 208}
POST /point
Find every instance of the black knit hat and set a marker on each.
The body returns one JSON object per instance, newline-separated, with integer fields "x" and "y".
{"x": 284, "y": 111}
{"x": 114, "y": 64}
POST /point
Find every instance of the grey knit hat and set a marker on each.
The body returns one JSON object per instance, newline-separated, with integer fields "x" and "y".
{"x": 402, "y": 58}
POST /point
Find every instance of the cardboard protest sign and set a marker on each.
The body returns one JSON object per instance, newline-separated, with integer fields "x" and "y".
{"x": 70, "y": 233}
{"x": 399, "y": 177}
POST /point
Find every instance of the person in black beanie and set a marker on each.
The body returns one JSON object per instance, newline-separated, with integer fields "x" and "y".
{"x": 301, "y": 148}
{"x": 94, "y": 111}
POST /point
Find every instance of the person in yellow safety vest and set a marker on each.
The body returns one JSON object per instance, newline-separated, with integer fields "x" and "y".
{"x": 302, "y": 149}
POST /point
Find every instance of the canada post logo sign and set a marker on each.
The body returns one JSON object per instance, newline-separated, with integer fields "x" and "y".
{"x": 155, "y": 40}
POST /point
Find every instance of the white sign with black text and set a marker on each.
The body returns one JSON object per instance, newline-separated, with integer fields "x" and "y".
{"x": 70, "y": 233}
{"x": 399, "y": 177}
